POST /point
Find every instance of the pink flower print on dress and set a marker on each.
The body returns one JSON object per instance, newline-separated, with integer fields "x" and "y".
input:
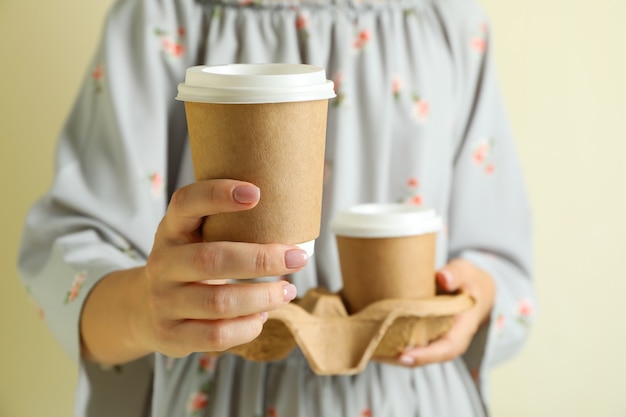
{"x": 197, "y": 402}
{"x": 207, "y": 363}
{"x": 199, "y": 399}
{"x": 156, "y": 184}
{"x": 77, "y": 283}
{"x": 337, "y": 82}
{"x": 302, "y": 23}
{"x": 172, "y": 45}
{"x": 412, "y": 195}
{"x": 481, "y": 155}
{"x": 525, "y": 311}
{"x": 97, "y": 72}
{"x": 421, "y": 109}
{"x": 271, "y": 412}
{"x": 526, "y": 308}
{"x": 96, "y": 75}
{"x": 366, "y": 412}
{"x": 396, "y": 86}
{"x": 337, "y": 86}
{"x": 475, "y": 373}
{"x": 500, "y": 323}
{"x": 362, "y": 38}
{"x": 174, "y": 48}
{"x": 416, "y": 200}
{"x": 480, "y": 152}
{"x": 478, "y": 42}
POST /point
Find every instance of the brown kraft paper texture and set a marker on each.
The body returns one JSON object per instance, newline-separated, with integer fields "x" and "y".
{"x": 277, "y": 146}
{"x": 375, "y": 269}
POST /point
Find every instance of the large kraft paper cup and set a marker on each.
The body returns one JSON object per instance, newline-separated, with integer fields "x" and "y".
{"x": 266, "y": 124}
{"x": 386, "y": 251}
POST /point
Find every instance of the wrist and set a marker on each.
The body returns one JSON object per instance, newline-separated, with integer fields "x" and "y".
{"x": 138, "y": 320}
{"x": 112, "y": 319}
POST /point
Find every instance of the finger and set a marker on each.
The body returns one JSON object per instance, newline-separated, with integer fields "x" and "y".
{"x": 190, "y": 204}
{"x": 450, "y": 346}
{"x": 190, "y": 336}
{"x": 211, "y": 302}
{"x": 452, "y": 277}
{"x": 224, "y": 260}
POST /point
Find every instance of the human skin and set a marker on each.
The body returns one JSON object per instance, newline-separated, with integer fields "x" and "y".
{"x": 166, "y": 307}
{"x": 457, "y": 276}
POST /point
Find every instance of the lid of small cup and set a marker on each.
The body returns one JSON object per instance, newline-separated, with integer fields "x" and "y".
{"x": 385, "y": 220}
{"x": 255, "y": 83}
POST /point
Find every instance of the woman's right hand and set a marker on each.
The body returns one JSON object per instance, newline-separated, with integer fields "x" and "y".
{"x": 166, "y": 307}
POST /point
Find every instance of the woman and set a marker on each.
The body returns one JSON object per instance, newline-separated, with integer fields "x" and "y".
{"x": 418, "y": 118}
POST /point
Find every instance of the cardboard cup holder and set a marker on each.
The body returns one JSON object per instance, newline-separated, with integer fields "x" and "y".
{"x": 335, "y": 343}
{"x": 388, "y": 302}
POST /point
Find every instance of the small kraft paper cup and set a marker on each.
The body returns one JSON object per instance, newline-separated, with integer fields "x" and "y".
{"x": 265, "y": 124}
{"x": 386, "y": 251}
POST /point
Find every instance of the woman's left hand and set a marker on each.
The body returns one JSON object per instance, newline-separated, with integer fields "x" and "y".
{"x": 457, "y": 276}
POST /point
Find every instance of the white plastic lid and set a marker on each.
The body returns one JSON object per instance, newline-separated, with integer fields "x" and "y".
{"x": 385, "y": 220}
{"x": 255, "y": 83}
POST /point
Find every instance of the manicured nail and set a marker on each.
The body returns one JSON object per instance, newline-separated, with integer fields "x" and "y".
{"x": 406, "y": 360}
{"x": 246, "y": 194}
{"x": 296, "y": 258}
{"x": 289, "y": 291}
{"x": 263, "y": 317}
{"x": 447, "y": 277}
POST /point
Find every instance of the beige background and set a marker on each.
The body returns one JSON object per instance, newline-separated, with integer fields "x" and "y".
{"x": 562, "y": 64}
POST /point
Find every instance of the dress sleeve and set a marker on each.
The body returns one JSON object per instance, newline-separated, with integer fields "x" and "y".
{"x": 489, "y": 217}
{"x": 110, "y": 186}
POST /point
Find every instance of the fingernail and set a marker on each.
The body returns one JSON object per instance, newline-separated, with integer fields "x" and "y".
{"x": 406, "y": 360}
{"x": 295, "y": 258}
{"x": 289, "y": 291}
{"x": 263, "y": 317}
{"x": 447, "y": 277}
{"x": 246, "y": 194}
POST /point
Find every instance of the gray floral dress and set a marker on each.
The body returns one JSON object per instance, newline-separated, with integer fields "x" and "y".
{"x": 418, "y": 118}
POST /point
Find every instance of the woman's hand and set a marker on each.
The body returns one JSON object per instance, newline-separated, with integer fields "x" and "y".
{"x": 167, "y": 307}
{"x": 458, "y": 276}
